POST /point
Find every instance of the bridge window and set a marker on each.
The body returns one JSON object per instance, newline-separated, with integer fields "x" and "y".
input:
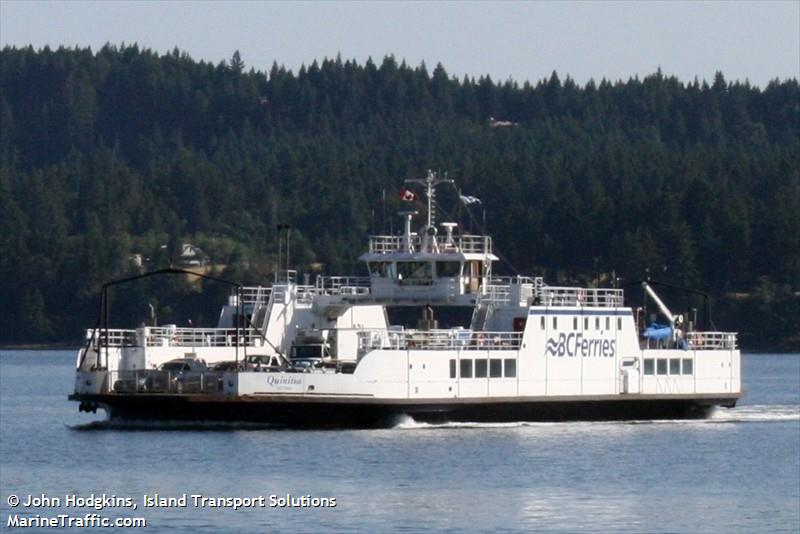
{"x": 448, "y": 269}
{"x": 414, "y": 272}
{"x": 510, "y": 368}
{"x": 466, "y": 368}
{"x": 480, "y": 368}
{"x": 649, "y": 366}
{"x": 674, "y": 366}
{"x": 688, "y": 366}
{"x": 661, "y": 366}
{"x": 379, "y": 269}
{"x": 452, "y": 368}
{"x": 496, "y": 368}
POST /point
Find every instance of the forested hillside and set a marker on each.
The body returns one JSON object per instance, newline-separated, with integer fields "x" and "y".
{"x": 124, "y": 151}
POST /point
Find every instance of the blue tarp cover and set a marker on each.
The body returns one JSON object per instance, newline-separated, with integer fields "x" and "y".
{"x": 658, "y": 332}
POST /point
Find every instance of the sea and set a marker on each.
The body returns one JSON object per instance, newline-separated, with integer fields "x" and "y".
{"x": 738, "y": 471}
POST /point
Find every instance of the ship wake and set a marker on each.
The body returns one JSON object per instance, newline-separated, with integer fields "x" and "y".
{"x": 744, "y": 414}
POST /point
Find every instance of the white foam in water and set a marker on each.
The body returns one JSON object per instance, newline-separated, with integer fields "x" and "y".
{"x": 743, "y": 414}
{"x": 406, "y": 422}
{"x": 757, "y": 412}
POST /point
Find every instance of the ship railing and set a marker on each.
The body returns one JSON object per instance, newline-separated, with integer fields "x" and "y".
{"x": 506, "y": 290}
{"x": 712, "y": 340}
{"x": 117, "y": 337}
{"x": 467, "y": 244}
{"x": 256, "y": 295}
{"x": 342, "y": 285}
{"x": 169, "y": 336}
{"x": 305, "y": 294}
{"x": 198, "y": 337}
{"x": 288, "y": 276}
{"x": 279, "y": 293}
{"x": 474, "y": 244}
{"x": 157, "y": 381}
{"x": 385, "y": 244}
{"x": 451, "y": 339}
{"x": 511, "y": 280}
{"x": 496, "y": 294}
{"x": 591, "y": 297}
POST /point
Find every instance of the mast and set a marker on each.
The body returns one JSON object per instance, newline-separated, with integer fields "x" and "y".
{"x": 430, "y": 182}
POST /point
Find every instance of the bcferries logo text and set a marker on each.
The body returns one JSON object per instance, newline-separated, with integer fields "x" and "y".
{"x": 575, "y": 344}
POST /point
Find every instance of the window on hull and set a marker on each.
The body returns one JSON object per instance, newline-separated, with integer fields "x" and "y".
{"x": 677, "y": 366}
{"x": 510, "y": 368}
{"x": 466, "y": 368}
{"x": 480, "y": 368}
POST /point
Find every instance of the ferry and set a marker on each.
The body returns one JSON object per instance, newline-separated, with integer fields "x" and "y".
{"x": 431, "y": 333}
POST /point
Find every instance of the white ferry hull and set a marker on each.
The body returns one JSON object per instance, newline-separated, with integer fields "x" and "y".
{"x": 468, "y": 346}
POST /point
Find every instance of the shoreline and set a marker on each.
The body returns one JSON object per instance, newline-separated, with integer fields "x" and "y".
{"x": 39, "y": 346}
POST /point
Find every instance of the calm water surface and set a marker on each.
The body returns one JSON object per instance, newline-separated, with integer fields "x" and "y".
{"x": 737, "y": 472}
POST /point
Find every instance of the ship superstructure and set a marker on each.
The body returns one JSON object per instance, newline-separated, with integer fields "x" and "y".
{"x": 430, "y": 333}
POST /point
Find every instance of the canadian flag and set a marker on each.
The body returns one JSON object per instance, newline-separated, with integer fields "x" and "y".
{"x": 407, "y": 195}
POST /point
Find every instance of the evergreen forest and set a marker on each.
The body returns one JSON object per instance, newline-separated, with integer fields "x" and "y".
{"x": 112, "y": 160}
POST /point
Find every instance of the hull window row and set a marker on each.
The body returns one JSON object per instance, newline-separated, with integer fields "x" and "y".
{"x": 482, "y": 368}
{"x": 575, "y": 323}
{"x": 668, "y": 367}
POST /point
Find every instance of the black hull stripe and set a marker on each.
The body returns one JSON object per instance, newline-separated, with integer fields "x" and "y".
{"x": 320, "y": 413}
